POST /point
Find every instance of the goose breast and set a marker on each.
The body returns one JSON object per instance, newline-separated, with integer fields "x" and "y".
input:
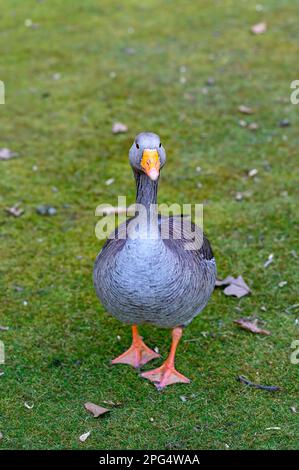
{"x": 154, "y": 281}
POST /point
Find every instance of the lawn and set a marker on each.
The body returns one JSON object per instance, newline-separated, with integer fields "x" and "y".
{"x": 181, "y": 69}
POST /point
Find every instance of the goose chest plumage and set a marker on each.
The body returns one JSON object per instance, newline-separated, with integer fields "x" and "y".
{"x": 147, "y": 272}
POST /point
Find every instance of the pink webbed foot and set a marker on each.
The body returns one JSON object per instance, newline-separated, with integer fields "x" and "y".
{"x": 138, "y": 353}
{"x": 165, "y": 375}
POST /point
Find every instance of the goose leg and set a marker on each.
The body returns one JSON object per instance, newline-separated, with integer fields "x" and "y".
{"x": 167, "y": 374}
{"x": 138, "y": 353}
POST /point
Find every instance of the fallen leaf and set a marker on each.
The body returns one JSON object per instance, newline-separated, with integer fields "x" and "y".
{"x": 245, "y": 109}
{"x": 119, "y": 128}
{"x": 6, "y": 154}
{"x": 224, "y": 282}
{"x": 15, "y": 210}
{"x": 293, "y": 409}
{"x": 4, "y": 328}
{"x": 84, "y": 436}
{"x": 109, "y": 181}
{"x": 251, "y": 325}
{"x": 253, "y": 126}
{"x": 96, "y": 410}
{"x": 235, "y": 286}
{"x": 259, "y": 28}
{"x": 1, "y": 373}
{"x": 1, "y": 436}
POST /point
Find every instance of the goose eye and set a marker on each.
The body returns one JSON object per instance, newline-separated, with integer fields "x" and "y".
{"x": 160, "y": 145}
{"x": 137, "y": 145}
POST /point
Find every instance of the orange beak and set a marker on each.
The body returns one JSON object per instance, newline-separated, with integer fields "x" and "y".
{"x": 150, "y": 163}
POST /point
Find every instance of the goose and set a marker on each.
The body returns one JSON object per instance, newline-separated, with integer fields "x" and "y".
{"x": 141, "y": 276}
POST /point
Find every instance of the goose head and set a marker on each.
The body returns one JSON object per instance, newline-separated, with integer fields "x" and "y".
{"x": 147, "y": 155}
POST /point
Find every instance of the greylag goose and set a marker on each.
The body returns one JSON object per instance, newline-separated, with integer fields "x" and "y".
{"x": 142, "y": 276}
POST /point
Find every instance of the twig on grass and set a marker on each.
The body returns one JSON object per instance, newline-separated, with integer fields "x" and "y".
{"x": 269, "y": 388}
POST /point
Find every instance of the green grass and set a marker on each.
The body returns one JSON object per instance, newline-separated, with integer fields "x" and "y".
{"x": 59, "y": 345}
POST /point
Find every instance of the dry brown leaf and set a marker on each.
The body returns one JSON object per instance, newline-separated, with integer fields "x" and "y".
{"x": 235, "y": 286}
{"x": 7, "y": 154}
{"x": 253, "y": 126}
{"x": 119, "y": 128}
{"x": 245, "y": 109}
{"x": 96, "y": 410}
{"x": 84, "y": 436}
{"x": 251, "y": 325}
{"x": 259, "y": 28}
{"x": 15, "y": 210}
